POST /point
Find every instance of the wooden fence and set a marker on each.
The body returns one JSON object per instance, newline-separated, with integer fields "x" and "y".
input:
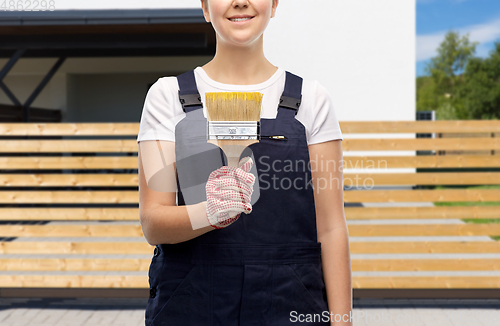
{"x": 64, "y": 182}
{"x": 422, "y": 260}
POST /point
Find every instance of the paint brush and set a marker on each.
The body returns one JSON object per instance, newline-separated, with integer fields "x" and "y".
{"x": 233, "y": 121}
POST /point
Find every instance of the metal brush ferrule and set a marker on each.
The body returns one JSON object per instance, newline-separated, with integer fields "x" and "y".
{"x": 233, "y": 130}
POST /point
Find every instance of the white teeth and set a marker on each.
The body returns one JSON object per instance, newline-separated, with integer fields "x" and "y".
{"x": 239, "y": 19}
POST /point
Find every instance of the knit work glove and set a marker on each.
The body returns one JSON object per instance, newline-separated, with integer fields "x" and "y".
{"x": 229, "y": 191}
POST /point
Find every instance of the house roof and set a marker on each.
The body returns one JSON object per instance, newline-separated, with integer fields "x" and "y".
{"x": 101, "y": 17}
{"x": 117, "y": 33}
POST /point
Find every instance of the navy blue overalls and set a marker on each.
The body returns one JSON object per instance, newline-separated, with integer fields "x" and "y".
{"x": 265, "y": 268}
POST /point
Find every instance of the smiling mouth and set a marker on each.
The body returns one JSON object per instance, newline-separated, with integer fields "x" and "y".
{"x": 240, "y": 19}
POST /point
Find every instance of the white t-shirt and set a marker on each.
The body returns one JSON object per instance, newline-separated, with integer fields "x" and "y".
{"x": 162, "y": 109}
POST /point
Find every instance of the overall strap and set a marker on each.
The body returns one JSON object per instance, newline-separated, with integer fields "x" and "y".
{"x": 188, "y": 93}
{"x": 291, "y": 97}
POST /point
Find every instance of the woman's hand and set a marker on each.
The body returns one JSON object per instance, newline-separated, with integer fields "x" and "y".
{"x": 229, "y": 191}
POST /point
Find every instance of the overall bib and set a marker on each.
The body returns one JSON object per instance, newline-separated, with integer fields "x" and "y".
{"x": 265, "y": 268}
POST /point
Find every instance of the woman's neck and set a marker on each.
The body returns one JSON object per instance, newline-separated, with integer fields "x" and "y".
{"x": 240, "y": 65}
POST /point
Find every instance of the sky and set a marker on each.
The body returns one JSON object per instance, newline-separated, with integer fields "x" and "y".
{"x": 479, "y": 18}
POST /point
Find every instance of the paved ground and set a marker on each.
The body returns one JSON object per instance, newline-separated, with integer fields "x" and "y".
{"x": 435, "y": 312}
{"x": 71, "y": 312}
{"x": 128, "y": 312}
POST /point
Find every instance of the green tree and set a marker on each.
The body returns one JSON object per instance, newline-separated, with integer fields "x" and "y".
{"x": 481, "y": 92}
{"x": 427, "y": 98}
{"x": 442, "y": 94}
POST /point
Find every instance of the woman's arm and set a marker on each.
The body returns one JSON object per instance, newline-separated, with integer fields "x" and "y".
{"x": 332, "y": 227}
{"x": 161, "y": 219}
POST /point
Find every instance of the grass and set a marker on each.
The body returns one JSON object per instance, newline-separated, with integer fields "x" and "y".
{"x": 476, "y": 203}
{"x": 468, "y": 203}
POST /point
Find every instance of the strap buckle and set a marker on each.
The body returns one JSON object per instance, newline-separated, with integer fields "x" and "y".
{"x": 189, "y": 100}
{"x": 290, "y": 103}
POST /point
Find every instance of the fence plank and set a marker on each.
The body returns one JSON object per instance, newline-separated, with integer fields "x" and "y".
{"x": 426, "y": 282}
{"x": 373, "y": 230}
{"x": 418, "y": 212}
{"x": 68, "y": 146}
{"x": 72, "y": 247}
{"x": 69, "y": 214}
{"x": 51, "y": 230}
{"x": 73, "y": 281}
{"x": 74, "y": 264}
{"x": 70, "y": 197}
{"x": 444, "y": 126}
{"x": 69, "y": 129}
{"x": 66, "y": 162}
{"x": 410, "y": 264}
{"x": 424, "y": 247}
{"x": 420, "y": 144}
{"x": 421, "y": 161}
{"x": 383, "y": 230}
{"x": 73, "y": 180}
{"x": 439, "y": 195}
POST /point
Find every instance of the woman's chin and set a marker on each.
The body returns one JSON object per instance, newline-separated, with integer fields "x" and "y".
{"x": 241, "y": 41}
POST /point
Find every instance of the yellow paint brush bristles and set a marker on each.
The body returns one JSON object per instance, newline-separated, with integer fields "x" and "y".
{"x": 233, "y": 106}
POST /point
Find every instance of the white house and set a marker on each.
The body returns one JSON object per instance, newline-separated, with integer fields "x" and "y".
{"x": 362, "y": 51}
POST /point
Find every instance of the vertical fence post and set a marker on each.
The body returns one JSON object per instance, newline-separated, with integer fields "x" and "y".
{"x": 440, "y": 135}
{"x": 492, "y": 136}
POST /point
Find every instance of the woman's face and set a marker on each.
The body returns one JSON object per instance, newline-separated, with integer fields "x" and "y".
{"x": 239, "y": 33}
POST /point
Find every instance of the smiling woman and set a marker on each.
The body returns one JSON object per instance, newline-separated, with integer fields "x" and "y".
{"x": 288, "y": 254}
{"x": 231, "y": 32}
